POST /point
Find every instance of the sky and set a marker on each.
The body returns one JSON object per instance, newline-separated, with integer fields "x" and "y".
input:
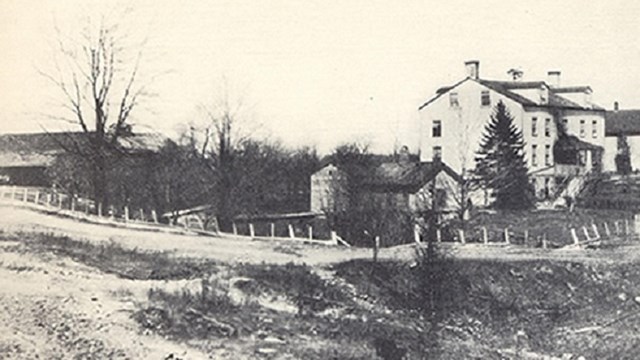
{"x": 320, "y": 73}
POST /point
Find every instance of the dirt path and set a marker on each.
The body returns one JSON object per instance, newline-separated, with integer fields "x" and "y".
{"x": 16, "y": 219}
{"x": 54, "y": 308}
{"x": 230, "y": 250}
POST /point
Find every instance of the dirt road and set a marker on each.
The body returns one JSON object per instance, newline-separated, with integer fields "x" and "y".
{"x": 54, "y": 308}
{"x": 226, "y": 249}
{"x": 16, "y": 219}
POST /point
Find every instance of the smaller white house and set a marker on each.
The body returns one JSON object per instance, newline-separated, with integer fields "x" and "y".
{"x": 329, "y": 192}
{"x": 404, "y": 185}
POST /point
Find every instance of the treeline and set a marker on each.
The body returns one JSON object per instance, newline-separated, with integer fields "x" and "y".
{"x": 250, "y": 177}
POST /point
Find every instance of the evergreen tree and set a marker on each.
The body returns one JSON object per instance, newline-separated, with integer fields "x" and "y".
{"x": 500, "y": 164}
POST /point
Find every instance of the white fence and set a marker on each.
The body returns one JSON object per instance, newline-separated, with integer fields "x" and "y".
{"x": 81, "y": 208}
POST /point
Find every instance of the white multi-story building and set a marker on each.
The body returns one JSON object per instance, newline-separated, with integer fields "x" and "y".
{"x": 452, "y": 124}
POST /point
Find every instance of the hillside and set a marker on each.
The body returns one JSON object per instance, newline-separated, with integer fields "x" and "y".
{"x": 96, "y": 294}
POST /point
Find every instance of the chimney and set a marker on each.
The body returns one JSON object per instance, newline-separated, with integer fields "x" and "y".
{"x": 553, "y": 78}
{"x": 516, "y": 74}
{"x": 473, "y": 69}
{"x": 616, "y": 106}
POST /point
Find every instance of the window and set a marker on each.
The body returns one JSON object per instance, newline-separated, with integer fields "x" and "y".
{"x": 441, "y": 198}
{"x": 582, "y": 129}
{"x": 594, "y": 128}
{"x": 565, "y": 124}
{"x": 547, "y": 187}
{"x": 547, "y": 155}
{"x": 437, "y": 152}
{"x": 453, "y": 99}
{"x": 436, "y": 129}
{"x": 547, "y": 127}
{"x": 485, "y": 98}
{"x": 534, "y": 155}
{"x": 534, "y": 126}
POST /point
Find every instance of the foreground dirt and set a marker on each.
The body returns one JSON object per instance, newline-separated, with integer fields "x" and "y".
{"x": 54, "y": 308}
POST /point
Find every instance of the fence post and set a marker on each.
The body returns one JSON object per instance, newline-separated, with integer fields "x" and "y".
{"x": 461, "y": 233}
{"x": 416, "y": 233}
{"x": 86, "y": 207}
{"x": 485, "y": 237}
{"x": 13, "y": 192}
{"x": 273, "y": 230}
{"x": 334, "y": 237}
{"x": 2, "y": 192}
{"x": 73, "y": 203}
{"x": 60, "y": 201}
{"x": 154, "y": 216}
{"x": 37, "y": 197}
{"x": 252, "y": 231}
{"x": 235, "y": 228}
{"x": 506, "y": 236}
{"x": 586, "y": 233}
{"x": 526, "y": 236}
{"x": 376, "y": 248}
{"x": 126, "y": 215}
{"x": 310, "y": 232}
{"x": 25, "y": 195}
{"x": 292, "y": 233}
{"x": 617, "y": 225}
{"x": 142, "y": 215}
{"x": 574, "y": 236}
{"x": 544, "y": 240}
{"x": 438, "y": 235}
{"x": 595, "y": 231}
{"x": 626, "y": 226}
{"x": 48, "y": 199}
{"x": 99, "y": 209}
{"x": 606, "y": 230}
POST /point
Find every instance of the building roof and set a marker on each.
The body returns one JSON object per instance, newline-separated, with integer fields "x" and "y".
{"x": 571, "y": 142}
{"x": 506, "y": 88}
{"x": 622, "y": 122}
{"x": 405, "y": 176}
{"x": 572, "y": 89}
{"x": 40, "y": 149}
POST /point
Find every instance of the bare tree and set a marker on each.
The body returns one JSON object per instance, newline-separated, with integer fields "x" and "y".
{"x": 99, "y": 83}
{"x": 223, "y": 128}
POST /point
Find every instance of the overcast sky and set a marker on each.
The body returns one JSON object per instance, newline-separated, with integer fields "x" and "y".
{"x": 322, "y": 72}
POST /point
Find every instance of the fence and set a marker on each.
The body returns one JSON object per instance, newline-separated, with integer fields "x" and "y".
{"x": 574, "y": 236}
{"x": 78, "y": 207}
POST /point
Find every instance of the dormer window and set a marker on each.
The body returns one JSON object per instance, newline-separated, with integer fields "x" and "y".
{"x": 453, "y": 99}
{"x": 485, "y": 98}
{"x": 544, "y": 95}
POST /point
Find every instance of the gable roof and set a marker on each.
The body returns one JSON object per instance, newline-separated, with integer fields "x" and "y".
{"x": 572, "y": 89}
{"x": 622, "y": 122}
{"x": 40, "y": 149}
{"x": 505, "y": 88}
{"x": 441, "y": 91}
{"x": 571, "y": 142}
{"x": 408, "y": 177}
